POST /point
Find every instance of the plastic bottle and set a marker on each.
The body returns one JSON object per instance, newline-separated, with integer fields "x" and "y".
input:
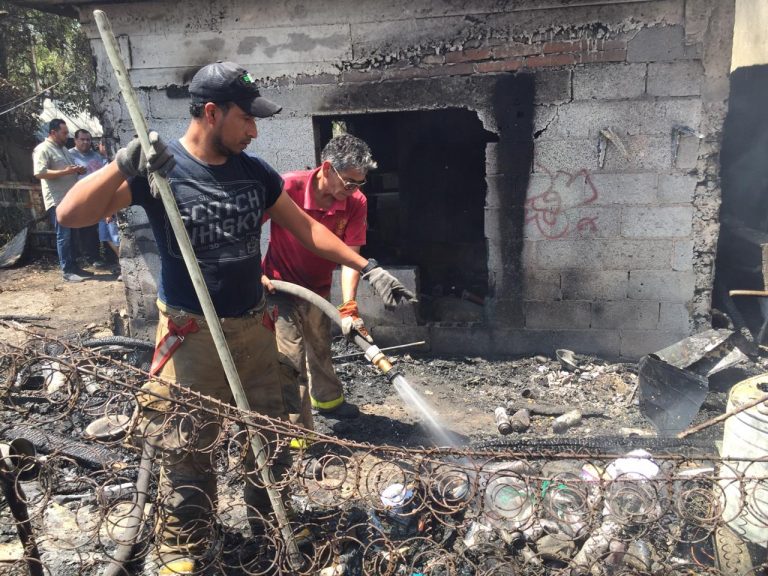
{"x": 565, "y": 421}
{"x": 502, "y": 420}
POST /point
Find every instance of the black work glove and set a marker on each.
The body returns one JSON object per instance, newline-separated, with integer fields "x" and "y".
{"x": 131, "y": 161}
{"x": 389, "y": 288}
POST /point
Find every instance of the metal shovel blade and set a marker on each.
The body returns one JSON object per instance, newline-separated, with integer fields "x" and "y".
{"x": 12, "y": 252}
{"x": 669, "y": 396}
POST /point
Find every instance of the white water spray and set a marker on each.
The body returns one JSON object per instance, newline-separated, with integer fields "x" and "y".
{"x": 420, "y": 407}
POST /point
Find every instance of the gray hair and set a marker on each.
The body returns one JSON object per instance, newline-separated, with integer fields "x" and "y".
{"x": 346, "y": 151}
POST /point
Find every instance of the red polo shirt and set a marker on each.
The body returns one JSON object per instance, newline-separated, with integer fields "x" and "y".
{"x": 286, "y": 259}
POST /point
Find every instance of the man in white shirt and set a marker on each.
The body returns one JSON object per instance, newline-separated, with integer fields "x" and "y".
{"x": 57, "y": 171}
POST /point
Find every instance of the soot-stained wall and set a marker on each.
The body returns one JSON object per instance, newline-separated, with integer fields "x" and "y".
{"x": 601, "y": 168}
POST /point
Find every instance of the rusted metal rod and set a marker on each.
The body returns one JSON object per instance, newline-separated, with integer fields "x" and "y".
{"x": 725, "y": 416}
{"x": 387, "y": 349}
{"x": 134, "y": 523}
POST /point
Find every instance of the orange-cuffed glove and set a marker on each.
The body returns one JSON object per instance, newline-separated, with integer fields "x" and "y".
{"x": 351, "y": 321}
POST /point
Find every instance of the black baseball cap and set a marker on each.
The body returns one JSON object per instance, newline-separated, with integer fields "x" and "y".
{"x": 230, "y": 82}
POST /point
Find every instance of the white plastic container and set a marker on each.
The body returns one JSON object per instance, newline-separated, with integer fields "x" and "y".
{"x": 743, "y": 477}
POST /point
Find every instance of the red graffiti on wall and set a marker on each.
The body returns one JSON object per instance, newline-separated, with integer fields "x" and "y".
{"x": 549, "y": 211}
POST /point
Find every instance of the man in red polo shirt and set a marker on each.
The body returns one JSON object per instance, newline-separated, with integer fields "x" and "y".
{"x": 331, "y": 195}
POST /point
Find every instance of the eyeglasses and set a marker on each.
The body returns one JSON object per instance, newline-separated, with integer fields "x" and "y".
{"x": 348, "y": 184}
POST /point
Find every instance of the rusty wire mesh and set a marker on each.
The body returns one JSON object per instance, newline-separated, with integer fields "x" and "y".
{"x": 563, "y": 508}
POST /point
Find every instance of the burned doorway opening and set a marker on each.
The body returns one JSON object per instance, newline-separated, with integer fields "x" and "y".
{"x": 426, "y": 200}
{"x": 742, "y": 250}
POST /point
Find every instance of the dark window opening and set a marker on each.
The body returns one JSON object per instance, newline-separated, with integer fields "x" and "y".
{"x": 426, "y": 200}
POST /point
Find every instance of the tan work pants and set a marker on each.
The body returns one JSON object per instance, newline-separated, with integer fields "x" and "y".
{"x": 304, "y": 341}
{"x": 185, "y": 435}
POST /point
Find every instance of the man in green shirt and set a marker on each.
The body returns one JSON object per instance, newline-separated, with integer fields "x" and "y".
{"x": 58, "y": 172}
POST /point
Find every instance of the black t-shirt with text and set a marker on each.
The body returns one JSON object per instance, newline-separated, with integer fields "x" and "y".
{"x": 222, "y": 209}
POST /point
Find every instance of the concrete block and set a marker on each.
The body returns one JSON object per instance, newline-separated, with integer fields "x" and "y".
{"x": 300, "y": 99}
{"x": 625, "y": 314}
{"x": 617, "y": 254}
{"x": 402, "y": 334}
{"x": 506, "y": 310}
{"x": 675, "y": 78}
{"x": 371, "y": 306}
{"x": 675, "y": 317}
{"x": 661, "y": 285}
{"x": 608, "y": 81}
{"x": 542, "y": 181}
{"x": 716, "y": 89}
{"x": 460, "y": 340}
{"x": 644, "y": 153}
{"x": 594, "y": 284}
{"x": 682, "y": 255}
{"x": 505, "y": 190}
{"x": 492, "y": 159}
{"x": 544, "y": 117}
{"x": 541, "y": 285}
{"x": 686, "y": 151}
{"x": 568, "y": 222}
{"x": 513, "y": 342}
{"x": 595, "y": 222}
{"x": 552, "y": 86}
{"x": 604, "y": 343}
{"x": 656, "y": 222}
{"x": 657, "y": 44}
{"x": 569, "y": 155}
{"x": 251, "y": 48}
{"x": 586, "y": 118}
{"x": 494, "y": 224}
{"x": 495, "y": 262}
{"x": 514, "y": 158}
{"x": 161, "y": 107}
{"x": 627, "y": 189}
{"x": 554, "y": 189}
{"x": 516, "y": 342}
{"x": 637, "y": 343}
{"x": 676, "y": 188}
{"x": 285, "y": 143}
{"x": 556, "y": 315}
{"x": 381, "y": 36}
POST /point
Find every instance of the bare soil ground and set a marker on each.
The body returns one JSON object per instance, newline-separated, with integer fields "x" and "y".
{"x": 38, "y": 289}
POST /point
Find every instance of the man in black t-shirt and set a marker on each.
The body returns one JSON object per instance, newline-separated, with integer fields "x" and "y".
{"x": 222, "y": 193}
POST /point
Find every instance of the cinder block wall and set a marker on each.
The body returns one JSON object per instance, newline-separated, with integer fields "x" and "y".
{"x": 602, "y": 193}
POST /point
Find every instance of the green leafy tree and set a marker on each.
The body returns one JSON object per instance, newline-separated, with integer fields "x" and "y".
{"x": 39, "y": 50}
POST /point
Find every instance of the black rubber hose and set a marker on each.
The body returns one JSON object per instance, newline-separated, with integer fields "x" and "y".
{"x": 313, "y": 298}
{"x": 98, "y": 456}
{"x": 124, "y": 552}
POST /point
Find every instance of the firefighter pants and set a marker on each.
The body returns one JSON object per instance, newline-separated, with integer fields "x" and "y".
{"x": 304, "y": 342}
{"x": 185, "y": 435}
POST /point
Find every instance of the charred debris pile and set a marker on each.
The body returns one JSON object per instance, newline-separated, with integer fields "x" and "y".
{"x": 614, "y": 491}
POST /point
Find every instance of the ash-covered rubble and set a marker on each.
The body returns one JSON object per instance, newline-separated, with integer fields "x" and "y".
{"x": 600, "y": 498}
{"x": 605, "y": 392}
